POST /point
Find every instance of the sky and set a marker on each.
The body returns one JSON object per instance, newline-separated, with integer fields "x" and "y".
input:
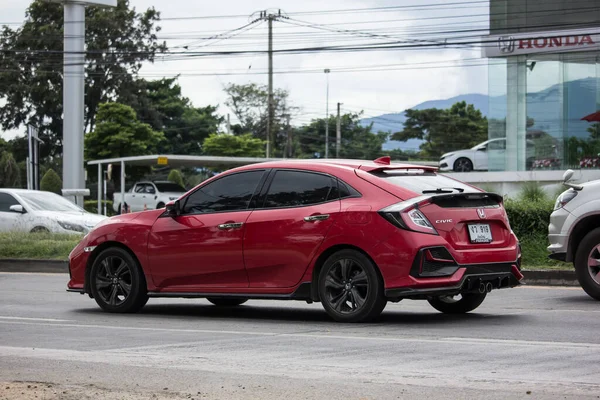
{"x": 405, "y": 77}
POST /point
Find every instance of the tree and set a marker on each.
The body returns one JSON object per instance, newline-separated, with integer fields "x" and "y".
{"x": 51, "y": 182}
{"x": 357, "y": 141}
{"x": 118, "y": 41}
{"x": 161, "y": 104}
{"x": 175, "y": 177}
{"x": 118, "y": 133}
{"x": 234, "y": 146}
{"x": 459, "y": 127}
{"x": 249, "y": 103}
{"x": 9, "y": 171}
{"x": 594, "y": 131}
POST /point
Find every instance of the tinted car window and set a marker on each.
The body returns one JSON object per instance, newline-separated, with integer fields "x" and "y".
{"x": 168, "y": 187}
{"x": 295, "y": 188}
{"x": 6, "y": 200}
{"x": 230, "y": 193}
{"x": 140, "y": 188}
{"x": 497, "y": 145}
{"x": 347, "y": 191}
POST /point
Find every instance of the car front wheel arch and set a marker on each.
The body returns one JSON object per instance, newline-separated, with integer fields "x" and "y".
{"x": 321, "y": 261}
{"x": 581, "y": 229}
{"x": 99, "y": 249}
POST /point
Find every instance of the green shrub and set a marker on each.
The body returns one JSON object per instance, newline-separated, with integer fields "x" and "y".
{"x": 175, "y": 177}
{"x": 51, "y": 182}
{"x": 528, "y": 217}
{"x": 535, "y": 253}
{"x": 92, "y": 206}
{"x": 532, "y": 191}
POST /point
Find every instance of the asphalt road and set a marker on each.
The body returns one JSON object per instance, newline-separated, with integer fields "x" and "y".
{"x": 521, "y": 343}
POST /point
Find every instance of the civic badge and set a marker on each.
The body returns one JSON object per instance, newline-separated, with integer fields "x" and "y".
{"x": 481, "y": 213}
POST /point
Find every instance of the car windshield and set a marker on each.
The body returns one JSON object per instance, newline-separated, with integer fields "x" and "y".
{"x": 169, "y": 187}
{"x": 426, "y": 181}
{"x": 45, "y": 201}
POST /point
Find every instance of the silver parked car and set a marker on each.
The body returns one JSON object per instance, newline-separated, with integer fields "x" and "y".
{"x": 37, "y": 211}
{"x": 574, "y": 232}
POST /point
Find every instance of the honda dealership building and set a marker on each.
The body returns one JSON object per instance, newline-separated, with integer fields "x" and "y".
{"x": 544, "y": 77}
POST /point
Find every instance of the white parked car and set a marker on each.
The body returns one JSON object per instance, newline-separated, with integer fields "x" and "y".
{"x": 36, "y": 211}
{"x": 477, "y": 157}
{"x": 574, "y": 232}
{"x": 148, "y": 196}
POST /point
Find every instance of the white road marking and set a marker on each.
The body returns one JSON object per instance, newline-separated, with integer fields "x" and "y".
{"x": 36, "y": 319}
{"x": 446, "y": 340}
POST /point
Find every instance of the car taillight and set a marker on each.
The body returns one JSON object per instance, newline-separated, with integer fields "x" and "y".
{"x": 406, "y": 215}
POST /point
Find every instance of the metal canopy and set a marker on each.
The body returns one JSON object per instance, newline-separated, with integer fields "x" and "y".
{"x": 184, "y": 161}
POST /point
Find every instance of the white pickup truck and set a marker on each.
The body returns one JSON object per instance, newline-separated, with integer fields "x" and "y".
{"x": 148, "y": 196}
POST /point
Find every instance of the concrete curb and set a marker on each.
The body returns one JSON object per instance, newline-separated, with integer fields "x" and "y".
{"x": 534, "y": 278}
{"x": 27, "y": 265}
{"x": 551, "y": 278}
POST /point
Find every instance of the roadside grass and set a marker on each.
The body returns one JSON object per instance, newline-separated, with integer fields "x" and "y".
{"x": 39, "y": 246}
{"x": 51, "y": 246}
{"x": 535, "y": 255}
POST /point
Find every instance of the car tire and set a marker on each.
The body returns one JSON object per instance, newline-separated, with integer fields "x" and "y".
{"x": 117, "y": 282}
{"x": 451, "y": 305}
{"x": 463, "y": 164}
{"x": 350, "y": 287}
{"x": 226, "y": 302}
{"x": 40, "y": 229}
{"x": 160, "y": 205}
{"x": 587, "y": 273}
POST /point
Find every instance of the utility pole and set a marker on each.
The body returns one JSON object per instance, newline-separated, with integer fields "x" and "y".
{"x": 270, "y": 98}
{"x": 270, "y": 17}
{"x": 73, "y": 95}
{"x": 338, "y": 132}
{"x": 288, "y": 144}
{"x": 327, "y": 115}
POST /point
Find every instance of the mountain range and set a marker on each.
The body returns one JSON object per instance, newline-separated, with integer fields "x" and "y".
{"x": 545, "y": 107}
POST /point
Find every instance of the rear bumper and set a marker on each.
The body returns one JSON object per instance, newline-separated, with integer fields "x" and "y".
{"x": 468, "y": 279}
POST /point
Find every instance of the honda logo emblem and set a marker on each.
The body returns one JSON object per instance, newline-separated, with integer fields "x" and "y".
{"x": 481, "y": 213}
{"x": 506, "y": 44}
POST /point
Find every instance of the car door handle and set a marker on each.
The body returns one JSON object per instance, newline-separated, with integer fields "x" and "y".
{"x": 313, "y": 218}
{"x": 231, "y": 225}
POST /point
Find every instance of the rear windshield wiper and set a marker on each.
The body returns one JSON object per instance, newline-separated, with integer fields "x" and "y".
{"x": 443, "y": 190}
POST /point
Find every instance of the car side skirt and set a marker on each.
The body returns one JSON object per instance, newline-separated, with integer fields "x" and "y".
{"x": 302, "y": 293}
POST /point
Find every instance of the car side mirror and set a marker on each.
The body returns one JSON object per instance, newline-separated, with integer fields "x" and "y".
{"x": 567, "y": 176}
{"x": 17, "y": 208}
{"x": 173, "y": 208}
{"x": 482, "y": 149}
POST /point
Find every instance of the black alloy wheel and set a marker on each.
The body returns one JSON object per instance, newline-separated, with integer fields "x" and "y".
{"x": 463, "y": 165}
{"x": 459, "y": 304}
{"x": 350, "y": 288}
{"x": 587, "y": 263}
{"x": 117, "y": 282}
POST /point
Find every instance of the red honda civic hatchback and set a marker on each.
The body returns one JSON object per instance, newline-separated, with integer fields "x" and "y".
{"x": 352, "y": 235}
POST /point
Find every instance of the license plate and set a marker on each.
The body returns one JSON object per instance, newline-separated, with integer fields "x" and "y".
{"x": 480, "y": 233}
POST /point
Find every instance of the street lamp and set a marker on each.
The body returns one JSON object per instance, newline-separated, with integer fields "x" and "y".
{"x": 327, "y": 115}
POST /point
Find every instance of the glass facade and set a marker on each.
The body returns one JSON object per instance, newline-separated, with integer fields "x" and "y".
{"x": 541, "y": 85}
